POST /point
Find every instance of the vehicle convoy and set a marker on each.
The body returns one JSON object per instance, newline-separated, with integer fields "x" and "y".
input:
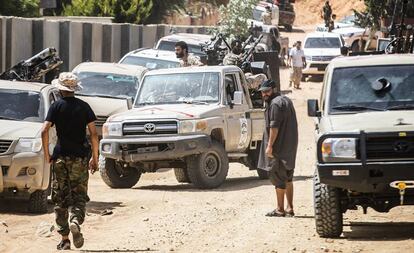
{"x": 285, "y": 9}
{"x": 151, "y": 58}
{"x": 320, "y": 48}
{"x": 365, "y": 138}
{"x": 24, "y": 173}
{"x": 108, "y": 88}
{"x": 195, "y": 120}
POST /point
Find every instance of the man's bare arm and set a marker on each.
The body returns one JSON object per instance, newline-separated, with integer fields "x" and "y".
{"x": 93, "y": 164}
{"x": 45, "y": 140}
{"x": 273, "y": 133}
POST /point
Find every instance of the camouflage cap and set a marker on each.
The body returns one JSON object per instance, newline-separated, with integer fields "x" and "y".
{"x": 67, "y": 81}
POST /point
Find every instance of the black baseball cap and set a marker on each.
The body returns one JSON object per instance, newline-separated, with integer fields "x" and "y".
{"x": 267, "y": 85}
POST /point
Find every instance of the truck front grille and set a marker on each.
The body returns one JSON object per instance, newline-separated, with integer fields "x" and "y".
{"x": 387, "y": 148}
{"x": 319, "y": 66}
{"x": 322, "y": 58}
{"x": 5, "y": 145}
{"x": 100, "y": 120}
{"x": 150, "y": 128}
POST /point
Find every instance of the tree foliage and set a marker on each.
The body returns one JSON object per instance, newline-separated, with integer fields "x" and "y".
{"x": 234, "y": 17}
{"x": 21, "y": 8}
{"x": 376, "y": 10}
{"x": 124, "y": 11}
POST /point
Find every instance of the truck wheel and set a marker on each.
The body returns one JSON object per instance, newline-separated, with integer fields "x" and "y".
{"x": 209, "y": 170}
{"x": 328, "y": 213}
{"x": 263, "y": 174}
{"x": 288, "y": 28}
{"x": 116, "y": 175}
{"x": 38, "y": 202}
{"x": 181, "y": 175}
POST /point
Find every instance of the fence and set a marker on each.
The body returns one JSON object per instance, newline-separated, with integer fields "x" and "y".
{"x": 76, "y": 42}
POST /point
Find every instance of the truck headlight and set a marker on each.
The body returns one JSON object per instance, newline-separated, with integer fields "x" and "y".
{"x": 28, "y": 145}
{"x": 192, "y": 126}
{"x": 339, "y": 149}
{"x": 112, "y": 129}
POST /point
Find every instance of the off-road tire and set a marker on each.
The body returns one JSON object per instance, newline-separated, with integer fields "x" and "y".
{"x": 117, "y": 176}
{"x": 38, "y": 202}
{"x": 328, "y": 212}
{"x": 212, "y": 176}
{"x": 181, "y": 175}
{"x": 288, "y": 28}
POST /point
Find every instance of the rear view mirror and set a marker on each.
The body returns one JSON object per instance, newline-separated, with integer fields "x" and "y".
{"x": 238, "y": 98}
{"x": 313, "y": 108}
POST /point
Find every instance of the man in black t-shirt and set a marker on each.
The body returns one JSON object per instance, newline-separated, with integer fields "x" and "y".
{"x": 279, "y": 146}
{"x": 70, "y": 157}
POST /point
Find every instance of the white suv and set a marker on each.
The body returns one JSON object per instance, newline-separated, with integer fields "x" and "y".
{"x": 320, "y": 48}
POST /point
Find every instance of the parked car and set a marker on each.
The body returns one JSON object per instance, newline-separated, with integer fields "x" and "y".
{"x": 353, "y": 36}
{"x": 24, "y": 173}
{"x": 284, "y": 13}
{"x": 347, "y": 21}
{"x": 151, "y": 58}
{"x": 108, "y": 88}
{"x": 195, "y": 119}
{"x": 364, "y": 138}
{"x": 320, "y": 49}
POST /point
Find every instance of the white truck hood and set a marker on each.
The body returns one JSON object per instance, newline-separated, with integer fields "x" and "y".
{"x": 322, "y": 51}
{"x": 106, "y": 107}
{"x": 13, "y": 130}
{"x": 167, "y": 111}
{"x": 388, "y": 121}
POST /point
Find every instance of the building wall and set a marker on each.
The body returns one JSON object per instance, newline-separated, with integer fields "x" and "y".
{"x": 77, "y": 41}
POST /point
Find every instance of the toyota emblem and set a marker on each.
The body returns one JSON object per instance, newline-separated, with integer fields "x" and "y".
{"x": 149, "y": 128}
{"x": 401, "y": 147}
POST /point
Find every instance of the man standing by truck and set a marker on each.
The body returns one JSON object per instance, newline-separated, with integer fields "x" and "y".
{"x": 71, "y": 116}
{"x": 279, "y": 147}
{"x": 186, "y": 60}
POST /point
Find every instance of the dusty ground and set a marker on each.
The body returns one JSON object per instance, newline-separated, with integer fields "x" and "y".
{"x": 161, "y": 215}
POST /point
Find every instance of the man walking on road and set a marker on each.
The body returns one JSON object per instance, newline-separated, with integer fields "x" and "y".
{"x": 279, "y": 147}
{"x": 297, "y": 61}
{"x": 70, "y": 157}
{"x": 186, "y": 60}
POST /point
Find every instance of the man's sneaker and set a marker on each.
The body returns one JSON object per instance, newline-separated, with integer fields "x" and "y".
{"x": 64, "y": 245}
{"x": 77, "y": 235}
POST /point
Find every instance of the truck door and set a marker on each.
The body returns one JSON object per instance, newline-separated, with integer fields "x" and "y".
{"x": 238, "y": 127}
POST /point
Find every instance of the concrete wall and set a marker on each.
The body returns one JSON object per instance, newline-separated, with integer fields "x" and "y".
{"x": 77, "y": 41}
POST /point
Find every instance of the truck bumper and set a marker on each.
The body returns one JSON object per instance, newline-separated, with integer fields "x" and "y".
{"x": 369, "y": 178}
{"x": 154, "y": 148}
{"x": 23, "y": 172}
{"x": 315, "y": 68}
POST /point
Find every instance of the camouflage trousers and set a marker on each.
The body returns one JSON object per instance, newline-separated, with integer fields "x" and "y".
{"x": 70, "y": 191}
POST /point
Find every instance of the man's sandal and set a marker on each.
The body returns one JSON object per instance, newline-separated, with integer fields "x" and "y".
{"x": 63, "y": 245}
{"x": 290, "y": 213}
{"x": 77, "y": 235}
{"x": 275, "y": 213}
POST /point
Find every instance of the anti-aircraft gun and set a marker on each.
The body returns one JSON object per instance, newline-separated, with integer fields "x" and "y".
{"x": 401, "y": 39}
{"x": 215, "y": 50}
{"x": 34, "y": 68}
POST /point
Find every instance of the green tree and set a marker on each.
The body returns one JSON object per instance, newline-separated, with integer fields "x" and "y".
{"x": 234, "y": 17}
{"x": 20, "y": 8}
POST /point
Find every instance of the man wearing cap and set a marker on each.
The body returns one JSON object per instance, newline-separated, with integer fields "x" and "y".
{"x": 70, "y": 157}
{"x": 297, "y": 61}
{"x": 279, "y": 146}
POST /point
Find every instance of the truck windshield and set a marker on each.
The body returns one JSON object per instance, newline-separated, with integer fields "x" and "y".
{"x": 102, "y": 84}
{"x": 179, "y": 88}
{"x": 372, "y": 88}
{"x": 323, "y": 43}
{"x": 21, "y": 105}
{"x": 170, "y": 46}
{"x": 150, "y": 63}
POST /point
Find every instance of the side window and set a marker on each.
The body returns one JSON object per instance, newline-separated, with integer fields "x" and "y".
{"x": 231, "y": 86}
{"x": 57, "y": 95}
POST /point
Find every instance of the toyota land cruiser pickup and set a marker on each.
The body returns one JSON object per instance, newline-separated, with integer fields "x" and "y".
{"x": 365, "y": 138}
{"x": 195, "y": 120}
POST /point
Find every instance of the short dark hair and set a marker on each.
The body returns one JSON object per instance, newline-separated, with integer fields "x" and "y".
{"x": 182, "y": 44}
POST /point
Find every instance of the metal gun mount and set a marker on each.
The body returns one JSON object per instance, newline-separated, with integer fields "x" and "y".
{"x": 34, "y": 68}
{"x": 402, "y": 35}
{"x": 215, "y": 50}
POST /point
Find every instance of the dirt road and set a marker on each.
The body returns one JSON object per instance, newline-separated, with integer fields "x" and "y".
{"x": 161, "y": 215}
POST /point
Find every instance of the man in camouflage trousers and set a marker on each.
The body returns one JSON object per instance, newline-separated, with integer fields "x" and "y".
{"x": 70, "y": 158}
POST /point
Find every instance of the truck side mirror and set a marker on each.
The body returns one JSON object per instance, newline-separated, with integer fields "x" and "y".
{"x": 313, "y": 108}
{"x": 238, "y": 98}
{"x": 129, "y": 103}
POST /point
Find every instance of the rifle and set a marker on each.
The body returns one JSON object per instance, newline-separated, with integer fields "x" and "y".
{"x": 34, "y": 68}
{"x": 246, "y": 57}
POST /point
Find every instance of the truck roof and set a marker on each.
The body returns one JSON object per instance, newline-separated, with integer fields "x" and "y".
{"x": 372, "y": 60}
{"x": 26, "y": 86}
{"x": 323, "y": 35}
{"x": 194, "y": 69}
{"x": 189, "y": 38}
{"x": 110, "y": 68}
{"x": 155, "y": 53}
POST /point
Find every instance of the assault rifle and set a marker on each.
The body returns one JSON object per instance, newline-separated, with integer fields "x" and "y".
{"x": 34, "y": 68}
{"x": 246, "y": 57}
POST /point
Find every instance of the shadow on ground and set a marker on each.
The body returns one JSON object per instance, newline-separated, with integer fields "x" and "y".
{"x": 98, "y": 207}
{"x": 231, "y": 184}
{"x": 380, "y": 231}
